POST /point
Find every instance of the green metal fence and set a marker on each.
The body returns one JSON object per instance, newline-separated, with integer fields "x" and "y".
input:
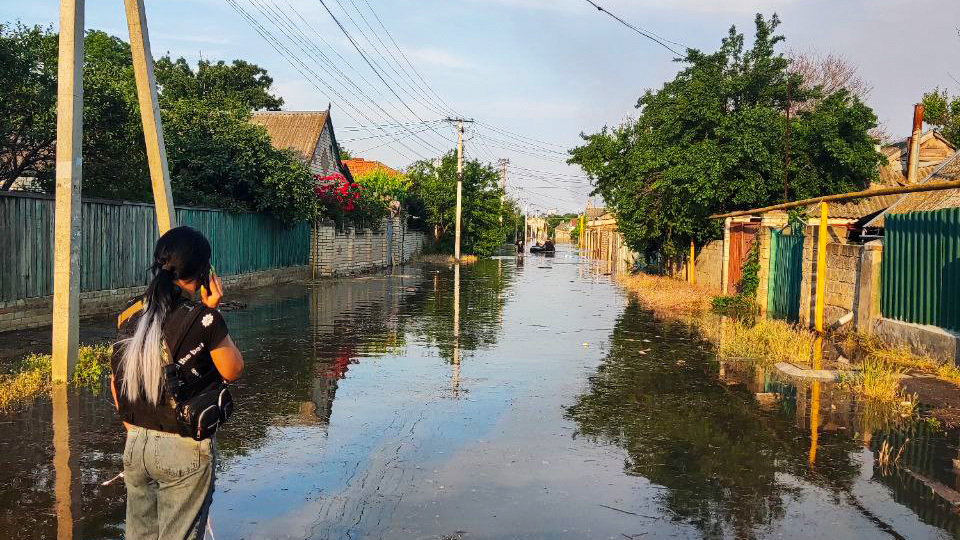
{"x": 921, "y": 268}
{"x": 117, "y": 238}
{"x": 786, "y": 273}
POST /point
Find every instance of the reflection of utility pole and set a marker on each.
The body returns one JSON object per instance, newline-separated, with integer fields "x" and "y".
{"x": 66, "y": 462}
{"x": 460, "y": 122}
{"x": 456, "y": 328}
{"x": 69, "y": 173}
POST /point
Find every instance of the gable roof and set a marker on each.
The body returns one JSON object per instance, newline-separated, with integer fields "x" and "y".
{"x": 359, "y": 167}
{"x": 295, "y": 130}
{"x": 930, "y": 200}
{"x": 934, "y": 150}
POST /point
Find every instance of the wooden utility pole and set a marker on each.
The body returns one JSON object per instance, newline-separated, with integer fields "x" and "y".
{"x": 459, "y": 122}
{"x": 821, "y": 287}
{"x": 786, "y": 161}
{"x": 69, "y": 176}
{"x": 150, "y": 115}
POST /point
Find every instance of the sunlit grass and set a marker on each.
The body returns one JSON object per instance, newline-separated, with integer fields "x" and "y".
{"x": 878, "y": 381}
{"x": 33, "y": 378}
{"x": 768, "y": 341}
{"x": 667, "y": 296}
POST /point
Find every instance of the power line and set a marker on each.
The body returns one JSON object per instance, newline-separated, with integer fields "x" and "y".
{"x": 367, "y": 59}
{"x": 294, "y": 59}
{"x": 288, "y": 55}
{"x": 649, "y": 35}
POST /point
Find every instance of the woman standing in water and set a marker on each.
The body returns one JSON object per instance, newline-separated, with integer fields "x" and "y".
{"x": 170, "y": 362}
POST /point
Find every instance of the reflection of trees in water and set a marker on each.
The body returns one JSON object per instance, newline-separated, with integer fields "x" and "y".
{"x": 483, "y": 291}
{"x": 717, "y": 453}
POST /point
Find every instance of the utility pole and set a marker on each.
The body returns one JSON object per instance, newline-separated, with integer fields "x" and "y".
{"x": 504, "y": 163}
{"x": 786, "y": 161}
{"x": 150, "y": 115}
{"x": 459, "y": 122}
{"x": 69, "y": 177}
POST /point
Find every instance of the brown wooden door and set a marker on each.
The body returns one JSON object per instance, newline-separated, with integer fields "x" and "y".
{"x": 742, "y": 236}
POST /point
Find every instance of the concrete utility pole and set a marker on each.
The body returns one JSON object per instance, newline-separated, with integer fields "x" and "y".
{"x": 459, "y": 122}
{"x": 69, "y": 177}
{"x": 150, "y": 115}
{"x": 504, "y": 163}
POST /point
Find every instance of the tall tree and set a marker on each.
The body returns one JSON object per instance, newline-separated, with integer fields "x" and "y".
{"x": 435, "y": 190}
{"x": 238, "y": 82}
{"x": 712, "y": 140}
{"x": 28, "y": 116}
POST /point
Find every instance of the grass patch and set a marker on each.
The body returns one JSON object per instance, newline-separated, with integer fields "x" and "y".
{"x": 768, "y": 341}
{"x": 878, "y": 381}
{"x": 668, "y": 297}
{"x": 33, "y": 378}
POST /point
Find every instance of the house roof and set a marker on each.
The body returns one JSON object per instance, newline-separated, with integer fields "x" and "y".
{"x": 296, "y": 130}
{"x": 934, "y": 149}
{"x": 359, "y": 167}
{"x": 949, "y": 170}
{"x": 593, "y": 213}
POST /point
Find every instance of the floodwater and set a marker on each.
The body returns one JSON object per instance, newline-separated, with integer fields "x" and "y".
{"x": 549, "y": 405}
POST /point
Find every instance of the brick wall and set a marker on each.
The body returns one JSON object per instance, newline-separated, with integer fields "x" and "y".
{"x": 36, "y": 312}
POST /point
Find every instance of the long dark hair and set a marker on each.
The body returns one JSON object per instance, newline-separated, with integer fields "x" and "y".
{"x": 181, "y": 253}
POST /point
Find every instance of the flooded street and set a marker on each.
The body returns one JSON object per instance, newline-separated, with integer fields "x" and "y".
{"x": 550, "y": 405}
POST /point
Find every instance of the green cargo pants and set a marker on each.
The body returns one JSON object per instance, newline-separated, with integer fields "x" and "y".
{"x": 169, "y": 482}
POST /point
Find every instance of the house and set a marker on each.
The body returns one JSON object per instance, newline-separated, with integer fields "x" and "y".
{"x": 360, "y": 167}
{"x": 537, "y": 229}
{"x": 854, "y": 214}
{"x": 309, "y": 134}
{"x": 948, "y": 170}
{"x": 561, "y": 234}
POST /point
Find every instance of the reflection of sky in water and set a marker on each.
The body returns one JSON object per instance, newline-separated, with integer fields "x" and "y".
{"x": 349, "y": 425}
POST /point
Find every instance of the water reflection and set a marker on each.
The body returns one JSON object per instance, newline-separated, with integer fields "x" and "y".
{"x": 66, "y": 462}
{"x": 346, "y": 427}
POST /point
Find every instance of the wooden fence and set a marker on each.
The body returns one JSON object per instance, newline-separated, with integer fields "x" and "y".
{"x": 117, "y": 239}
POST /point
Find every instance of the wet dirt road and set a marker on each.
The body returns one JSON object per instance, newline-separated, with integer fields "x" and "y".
{"x": 550, "y": 405}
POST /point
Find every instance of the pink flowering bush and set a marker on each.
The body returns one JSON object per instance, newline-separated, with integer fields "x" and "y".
{"x": 346, "y": 202}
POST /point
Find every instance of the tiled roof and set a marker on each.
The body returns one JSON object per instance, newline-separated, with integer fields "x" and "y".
{"x": 359, "y": 167}
{"x": 297, "y": 130}
{"x": 930, "y": 200}
{"x": 593, "y": 213}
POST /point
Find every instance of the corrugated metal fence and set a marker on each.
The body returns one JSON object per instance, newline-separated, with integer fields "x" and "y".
{"x": 921, "y": 268}
{"x": 117, "y": 241}
{"x": 786, "y": 275}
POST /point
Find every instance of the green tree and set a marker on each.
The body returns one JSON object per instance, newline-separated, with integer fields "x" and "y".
{"x": 216, "y": 157}
{"x": 712, "y": 140}
{"x": 239, "y": 82}
{"x": 28, "y": 76}
{"x": 943, "y": 113}
{"x": 434, "y": 190}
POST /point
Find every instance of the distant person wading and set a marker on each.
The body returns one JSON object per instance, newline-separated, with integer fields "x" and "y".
{"x": 170, "y": 365}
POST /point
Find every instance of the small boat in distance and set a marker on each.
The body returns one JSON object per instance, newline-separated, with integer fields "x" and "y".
{"x": 546, "y": 247}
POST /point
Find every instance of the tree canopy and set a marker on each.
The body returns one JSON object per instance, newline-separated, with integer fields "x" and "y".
{"x": 713, "y": 140}
{"x": 942, "y": 111}
{"x": 433, "y": 198}
{"x": 216, "y": 157}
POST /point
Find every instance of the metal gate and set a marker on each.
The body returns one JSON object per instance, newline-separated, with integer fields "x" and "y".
{"x": 786, "y": 273}
{"x": 921, "y": 268}
{"x": 741, "y": 240}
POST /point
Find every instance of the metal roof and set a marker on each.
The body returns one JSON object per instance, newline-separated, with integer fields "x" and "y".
{"x": 932, "y": 200}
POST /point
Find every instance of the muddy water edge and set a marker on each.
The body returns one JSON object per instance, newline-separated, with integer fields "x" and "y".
{"x": 549, "y": 405}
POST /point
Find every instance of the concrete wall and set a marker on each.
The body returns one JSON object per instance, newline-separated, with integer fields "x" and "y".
{"x": 842, "y": 270}
{"x": 352, "y": 251}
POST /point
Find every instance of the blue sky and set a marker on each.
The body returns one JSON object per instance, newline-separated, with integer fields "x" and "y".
{"x": 543, "y": 69}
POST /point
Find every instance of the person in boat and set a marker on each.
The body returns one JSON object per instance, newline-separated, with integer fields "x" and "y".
{"x": 173, "y": 351}
{"x": 548, "y": 246}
